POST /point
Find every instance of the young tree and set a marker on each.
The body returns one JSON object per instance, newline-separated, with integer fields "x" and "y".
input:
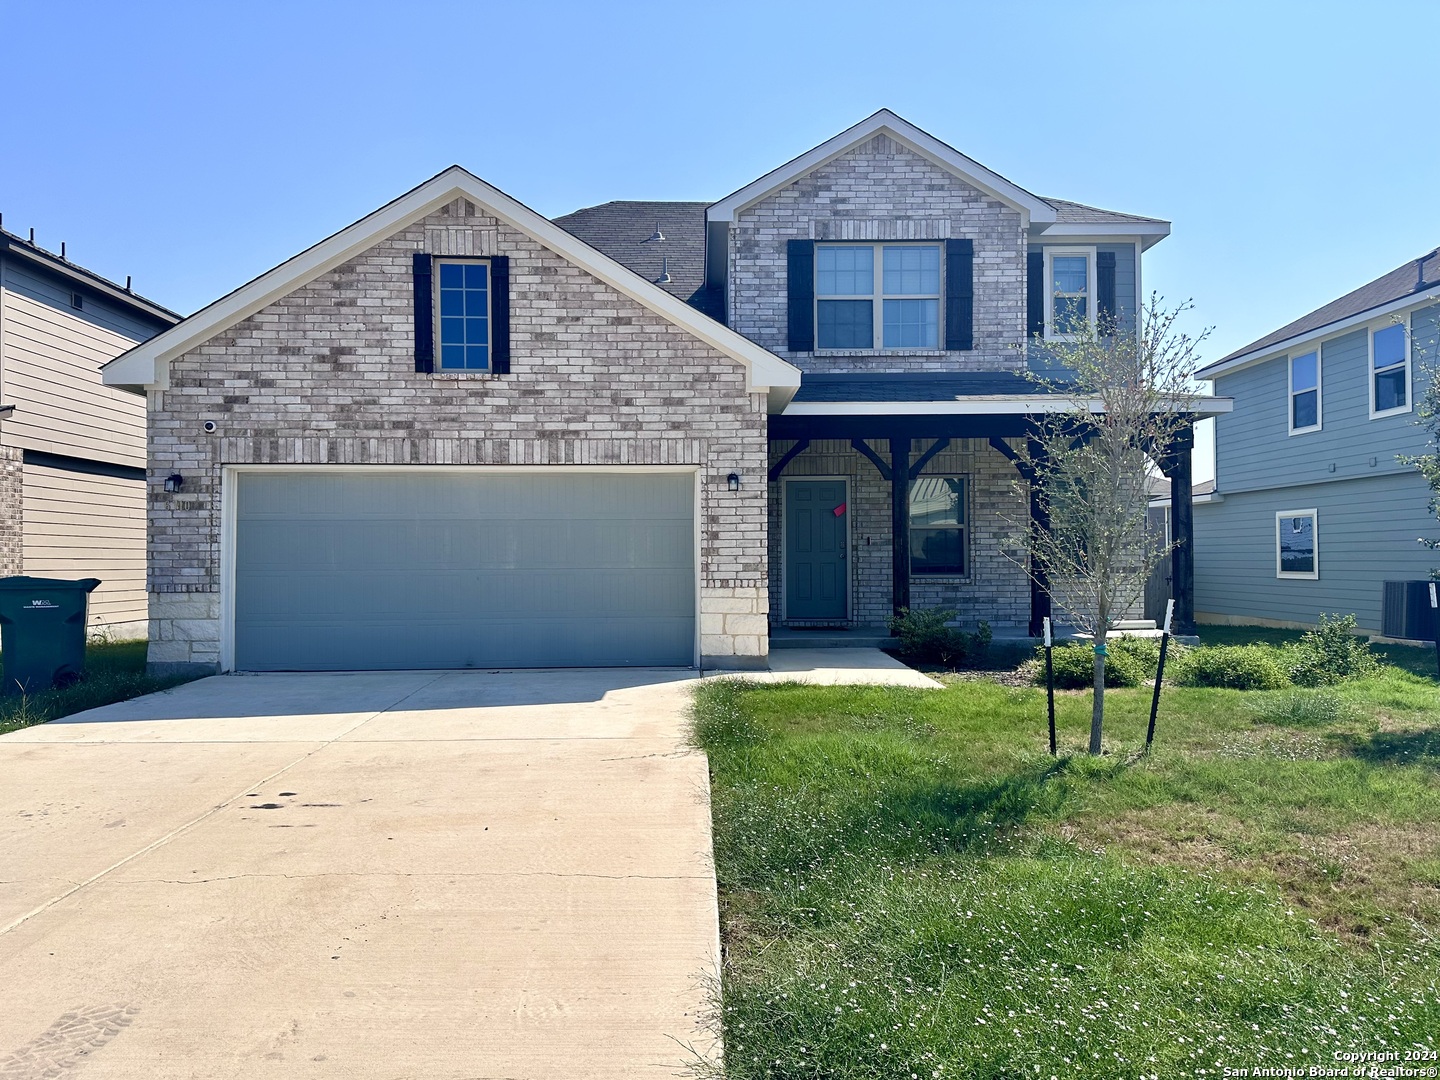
{"x": 1426, "y": 351}
{"x": 1125, "y": 396}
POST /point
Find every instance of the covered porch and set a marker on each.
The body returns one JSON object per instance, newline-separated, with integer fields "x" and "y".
{"x": 891, "y": 491}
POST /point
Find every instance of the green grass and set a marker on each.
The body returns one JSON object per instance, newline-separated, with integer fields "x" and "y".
{"x": 911, "y": 885}
{"x": 114, "y": 671}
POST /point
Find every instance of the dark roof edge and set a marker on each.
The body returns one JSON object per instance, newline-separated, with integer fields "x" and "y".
{"x": 48, "y": 260}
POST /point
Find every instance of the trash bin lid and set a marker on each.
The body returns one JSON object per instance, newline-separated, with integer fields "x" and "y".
{"x": 27, "y": 583}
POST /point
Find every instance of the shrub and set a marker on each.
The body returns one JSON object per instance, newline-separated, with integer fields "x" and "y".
{"x": 926, "y": 639}
{"x": 1128, "y": 662}
{"x": 1233, "y": 667}
{"x": 1300, "y": 708}
{"x": 1331, "y": 653}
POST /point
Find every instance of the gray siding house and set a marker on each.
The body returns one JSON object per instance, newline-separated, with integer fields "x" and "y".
{"x": 1312, "y": 508}
{"x": 458, "y": 434}
{"x": 72, "y": 450}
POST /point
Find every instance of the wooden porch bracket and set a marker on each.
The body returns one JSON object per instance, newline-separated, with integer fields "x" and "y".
{"x": 860, "y": 446}
{"x": 1040, "y": 603}
{"x": 787, "y": 457}
{"x": 940, "y": 444}
{"x": 1001, "y": 447}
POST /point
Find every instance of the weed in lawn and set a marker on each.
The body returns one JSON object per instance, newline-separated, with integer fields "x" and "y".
{"x": 114, "y": 671}
{"x": 1301, "y": 708}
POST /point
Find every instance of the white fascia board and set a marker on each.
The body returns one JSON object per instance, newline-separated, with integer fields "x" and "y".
{"x": 1329, "y": 330}
{"x": 1146, "y": 234}
{"x": 1034, "y": 208}
{"x": 147, "y": 363}
{"x": 1210, "y": 497}
{"x": 988, "y": 406}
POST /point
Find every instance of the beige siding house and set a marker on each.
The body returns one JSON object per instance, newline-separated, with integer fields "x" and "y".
{"x": 72, "y": 450}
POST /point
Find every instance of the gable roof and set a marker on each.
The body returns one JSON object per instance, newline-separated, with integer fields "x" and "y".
{"x": 1416, "y": 280}
{"x": 1074, "y": 213}
{"x": 148, "y": 364}
{"x": 622, "y": 229}
{"x": 1035, "y": 209}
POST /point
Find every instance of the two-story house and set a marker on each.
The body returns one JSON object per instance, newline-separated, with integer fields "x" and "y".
{"x": 72, "y": 450}
{"x": 1313, "y": 509}
{"x": 456, "y": 433}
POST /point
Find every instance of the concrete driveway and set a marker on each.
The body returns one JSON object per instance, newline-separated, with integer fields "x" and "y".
{"x": 416, "y": 874}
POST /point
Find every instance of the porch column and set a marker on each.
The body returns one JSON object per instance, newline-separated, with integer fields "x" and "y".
{"x": 1182, "y": 525}
{"x": 1040, "y": 606}
{"x": 900, "y": 523}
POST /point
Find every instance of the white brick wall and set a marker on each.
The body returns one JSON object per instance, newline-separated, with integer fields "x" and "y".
{"x": 326, "y": 375}
{"x": 877, "y": 191}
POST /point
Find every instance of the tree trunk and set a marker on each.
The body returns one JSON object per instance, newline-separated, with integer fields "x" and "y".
{"x": 1097, "y": 711}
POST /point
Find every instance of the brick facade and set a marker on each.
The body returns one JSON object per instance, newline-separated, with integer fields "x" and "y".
{"x": 326, "y": 375}
{"x": 12, "y": 532}
{"x": 881, "y": 190}
{"x": 996, "y": 590}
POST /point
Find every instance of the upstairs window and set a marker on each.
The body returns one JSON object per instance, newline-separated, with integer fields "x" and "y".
{"x": 463, "y": 290}
{"x": 1305, "y": 392}
{"x": 1389, "y": 371}
{"x": 1069, "y": 291}
{"x": 939, "y": 525}
{"x": 902, "y": 313}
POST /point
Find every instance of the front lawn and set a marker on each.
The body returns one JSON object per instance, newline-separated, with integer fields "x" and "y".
{"x": 912, "y": 887}
{"x": 114, "y": 671}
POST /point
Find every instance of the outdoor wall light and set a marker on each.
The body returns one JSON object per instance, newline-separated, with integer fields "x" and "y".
{"x": 734, "y": 481}
{"x": 174, "y": 482}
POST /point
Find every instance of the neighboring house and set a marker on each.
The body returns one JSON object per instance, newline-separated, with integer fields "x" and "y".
{"x": 1313, "y": 508}
{"x": 456, "y": 433}
{"x": 72, "y": 450}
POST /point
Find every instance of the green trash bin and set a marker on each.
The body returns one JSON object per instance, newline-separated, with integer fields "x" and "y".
{"x": 42, "y": 631}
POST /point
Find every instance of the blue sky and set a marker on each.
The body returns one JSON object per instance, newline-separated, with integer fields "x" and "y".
{"x": 193, "y": 146}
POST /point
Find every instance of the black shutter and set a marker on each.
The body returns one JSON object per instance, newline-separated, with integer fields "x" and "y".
{"x": 500, "y": 315}
{"x": 1105, "y": 291}
{"x": 800, "y": 283}
{"x": 424, "y": 313}
{"x": 1035, "y": 293}
{"x": 960, "y": 295}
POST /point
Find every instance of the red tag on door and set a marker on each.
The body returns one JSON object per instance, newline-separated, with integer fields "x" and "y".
{"x": 839, "y": 511}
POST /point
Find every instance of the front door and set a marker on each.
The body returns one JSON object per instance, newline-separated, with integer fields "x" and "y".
{"x": 817, "y": 585}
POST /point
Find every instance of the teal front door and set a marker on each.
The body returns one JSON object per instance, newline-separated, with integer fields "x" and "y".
{"x": 817, "y": 583}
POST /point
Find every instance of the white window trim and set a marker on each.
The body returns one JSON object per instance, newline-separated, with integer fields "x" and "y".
{"x": 1371, "y": 372}
{"x": 1319, "y": 390}
{"x": 1314, "y": 516}
{"x": 1090, "y": 288}
{"x": 878, "y": 297}
{"x": 965, "y": 575}
{"x": 462, "y": 260}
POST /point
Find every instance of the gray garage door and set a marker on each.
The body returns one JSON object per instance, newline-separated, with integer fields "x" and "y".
{"x": 435, "y": 569}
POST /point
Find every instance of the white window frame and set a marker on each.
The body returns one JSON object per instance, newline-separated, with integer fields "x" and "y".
{"x": 1370, "y": 331}
{"x": 965, "y": 530}
{"x": 1314, "y": 516}
{"x": 438, "y": 338}
{"x": 1319, "y": 392}
{"x": 1091, "y": 288}
{"x": 878, "y": 296}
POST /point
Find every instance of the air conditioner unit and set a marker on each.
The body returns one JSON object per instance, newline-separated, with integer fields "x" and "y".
{"x": 1406, "y": 611}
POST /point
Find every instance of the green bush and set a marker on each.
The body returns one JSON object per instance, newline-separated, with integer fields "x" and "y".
{"x": 1331, "y": 653}
{"x": 1300, "y": 708}
{"x": 1129, "y": 661}
{"x": 926, "y": 639}
{"x": 1233, "y": 667}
